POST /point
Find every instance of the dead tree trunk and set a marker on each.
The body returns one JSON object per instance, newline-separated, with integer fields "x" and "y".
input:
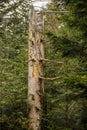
{"x": 35, "y": 69}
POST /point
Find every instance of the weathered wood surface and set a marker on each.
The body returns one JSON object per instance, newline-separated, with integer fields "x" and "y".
{"x": 35, "y": 69}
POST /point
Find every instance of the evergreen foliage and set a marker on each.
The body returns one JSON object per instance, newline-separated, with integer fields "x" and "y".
{"x": 67, "y": 43}
{"x": 13, "y": 65}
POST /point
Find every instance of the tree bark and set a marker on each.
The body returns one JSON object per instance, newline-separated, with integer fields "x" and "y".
{"x": 35, "y": 69}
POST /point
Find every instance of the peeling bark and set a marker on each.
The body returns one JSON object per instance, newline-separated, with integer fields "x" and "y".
{"x": 35, "y": 67}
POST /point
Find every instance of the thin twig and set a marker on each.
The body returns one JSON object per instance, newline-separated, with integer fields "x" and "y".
{"x": 47, "y": 60}
{"x": 49, "y": 78}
